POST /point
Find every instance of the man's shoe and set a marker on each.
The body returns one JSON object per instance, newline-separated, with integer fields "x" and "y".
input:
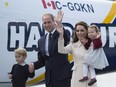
{"x": 92, "y": 81}
{"x": 83, "y": 79}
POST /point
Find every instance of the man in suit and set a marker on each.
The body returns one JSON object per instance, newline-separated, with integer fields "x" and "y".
{"x": 57, "y": 66}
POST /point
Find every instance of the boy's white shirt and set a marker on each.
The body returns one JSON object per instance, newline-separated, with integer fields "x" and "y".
{"x": 23, "y": 64}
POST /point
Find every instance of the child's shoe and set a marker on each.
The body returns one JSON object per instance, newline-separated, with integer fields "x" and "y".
{"x": 92, "y": 81}
{"x": 83, "y": 79}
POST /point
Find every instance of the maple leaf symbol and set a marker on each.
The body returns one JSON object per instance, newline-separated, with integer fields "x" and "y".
{"x": 48, "y": 4}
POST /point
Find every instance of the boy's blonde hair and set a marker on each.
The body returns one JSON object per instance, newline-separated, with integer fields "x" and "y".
{"x": 21, "y": 51}
{"x": 94, "y": 27}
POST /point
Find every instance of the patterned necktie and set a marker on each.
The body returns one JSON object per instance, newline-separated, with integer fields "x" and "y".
{"x": 49, "y": 43}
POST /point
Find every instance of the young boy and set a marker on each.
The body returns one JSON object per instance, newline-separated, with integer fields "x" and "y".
{"x": 20, "y": 73}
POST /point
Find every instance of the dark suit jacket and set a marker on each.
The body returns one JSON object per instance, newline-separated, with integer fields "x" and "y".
{"x": 56, "y": 65}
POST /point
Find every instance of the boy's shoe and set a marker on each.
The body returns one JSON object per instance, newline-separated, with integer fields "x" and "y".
{"x": 92, "y": 81}
{"x": 83, "y": 79}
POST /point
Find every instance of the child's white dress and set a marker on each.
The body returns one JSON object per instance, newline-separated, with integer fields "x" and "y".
{"x": 96, "y": 58}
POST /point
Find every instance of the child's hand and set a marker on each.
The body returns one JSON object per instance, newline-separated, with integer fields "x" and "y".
{"x": 9, "y": 76}
{"x": 31, "y": 68}
{"x": 99, "y": 34}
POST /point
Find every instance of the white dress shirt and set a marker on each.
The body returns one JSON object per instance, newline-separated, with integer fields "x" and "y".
{"x": 46, "y": 42}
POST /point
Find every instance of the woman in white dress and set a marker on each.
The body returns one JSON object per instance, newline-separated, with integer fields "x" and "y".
{"x": 95, "y": 56}
{"x": 78, "y": 50}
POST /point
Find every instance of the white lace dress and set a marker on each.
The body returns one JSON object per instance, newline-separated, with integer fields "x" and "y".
{"x": 96, "y": 58}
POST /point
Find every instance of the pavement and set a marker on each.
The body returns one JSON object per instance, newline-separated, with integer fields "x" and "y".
{"x": 103, "y": 80}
